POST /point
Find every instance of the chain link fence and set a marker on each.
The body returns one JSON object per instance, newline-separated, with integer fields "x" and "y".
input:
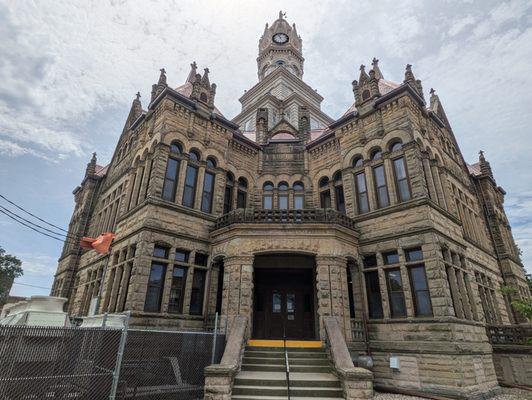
{"x": 57, "y": 363}
{"x": 104, "y": 363}
{"x": 160, "y": 365}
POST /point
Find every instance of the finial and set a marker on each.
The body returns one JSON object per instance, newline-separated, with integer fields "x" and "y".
{"x": 162, "y": 77}
{"x": 138, "y": 95}
{"x": 481, "y": 155}
{"x": 281, "y": 14}
{"x": 432, "y": 91}
{"x": 206, "y": 70}
{"x": 375, "y": 61}
{"x": 93, "y": 159}
{"x": 409, "y": 67}
{"x": 362, "y": 67}
{"x": 194, "y": 65}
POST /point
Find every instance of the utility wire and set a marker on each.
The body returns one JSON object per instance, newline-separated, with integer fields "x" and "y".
{"x": 37, "y": 225}
{"x": 33, "y": 215}
{"x": 27, "y": 284}
{"x": 36, "y": 230}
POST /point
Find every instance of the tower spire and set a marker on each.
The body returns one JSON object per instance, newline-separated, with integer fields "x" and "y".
{"x": 193, "y": 72}
{"x": 485, "y": 168}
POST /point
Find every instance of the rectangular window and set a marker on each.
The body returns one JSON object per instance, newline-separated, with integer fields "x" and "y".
{"x": 369, "y": 260}
{"x": 189, "y": 193}
{"x": 325, "y": 199}
{"x": 201, "y": 259}
{"x": 154, "y": 292}
{"x": 198, "y": 287}
{"x": 177, "y": 290}
{"x": 380, "y": 186}
{"x": 228, "y": 199}
{"x": 420, "y": 291}
{"x": 340, "y": 201}
{"x": 362, "y": 193}
{"x": 414, "y": 254}
{"x": 299, "y": 201}
{"x": 350, "y": 292}
{"x": 374, "y": 294}
{"x": 401, "y": 178}
{"x": 390, "y": 257}
{"x": 160, "y": 251}
{"x": 396, "y": 293}
{"x": 241, "y": 199}
{"x": 267, "y": 201}
{"x": 208, "y": 189}
{"x": 283, "y": 201}
{"x": 182, "y": 256}
{"x": 170, "y": 179}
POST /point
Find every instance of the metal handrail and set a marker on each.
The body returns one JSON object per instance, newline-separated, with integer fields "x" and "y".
{"x": 287, "y": 365}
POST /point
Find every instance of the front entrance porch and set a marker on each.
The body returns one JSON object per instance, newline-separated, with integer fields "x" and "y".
{"x": 284, "y": 298}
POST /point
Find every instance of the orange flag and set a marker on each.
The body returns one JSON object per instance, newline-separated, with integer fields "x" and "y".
{"x": 101, "y": 244}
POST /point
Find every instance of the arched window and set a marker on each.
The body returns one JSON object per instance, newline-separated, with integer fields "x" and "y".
{"x": 242, "y": 193}
{"x": 208, "y": 186}
{"x": 267, "y": 196}
{"x": 376, "y": 154}
{"x": 358, "y": 162}
{"x": 194, "y": 155}
{"x": 401, "y": 179}
{"x": 172, "y": 172}
{"x": 396, "y": 145}
{"x": 228, "y": 197}
{"x": 299, "y": 195}
{"x": 365, "y": 94}
{"x": 283, "y": 196}
{"x": 211, "y": 162}
{"x": 325, "y": 193}
{"x": 175, "y": 147}
{"x": 339, "y": 191}
{"x": 379, "y": 177}
{"x": 191, "y": 179}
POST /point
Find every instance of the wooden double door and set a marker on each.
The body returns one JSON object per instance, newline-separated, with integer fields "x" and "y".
{"x": 283, "y": 304}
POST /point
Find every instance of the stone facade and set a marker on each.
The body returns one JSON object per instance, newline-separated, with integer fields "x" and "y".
{"x": 404, "y": 234}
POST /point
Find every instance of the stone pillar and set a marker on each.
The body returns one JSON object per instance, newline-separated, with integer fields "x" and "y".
{"x": 370, "y": 187}
{"x": 332, "y": 294}
{"x": 181, "y": 181}
{"x": 390, "y": 181}
{"x": 158, "y": 171}
{"x": 237, "y": 298}
{"x": 199, "y": 187}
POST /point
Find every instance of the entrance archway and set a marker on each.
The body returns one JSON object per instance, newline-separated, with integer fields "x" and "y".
{"x": 284, "y": 297}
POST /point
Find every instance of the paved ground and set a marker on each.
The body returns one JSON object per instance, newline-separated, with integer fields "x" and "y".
{"x": 507, "y": 394}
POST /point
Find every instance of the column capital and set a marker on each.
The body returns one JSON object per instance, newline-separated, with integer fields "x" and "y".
{"x": 325, "y": 259}
{"x": 238, "y": 260}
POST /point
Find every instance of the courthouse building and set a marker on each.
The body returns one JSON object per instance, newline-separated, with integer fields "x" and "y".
{"x": 285, "y": 215}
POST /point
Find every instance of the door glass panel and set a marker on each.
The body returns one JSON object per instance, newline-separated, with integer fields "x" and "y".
{"x": 276, "y": 303}
{"x": 290, "y": 303}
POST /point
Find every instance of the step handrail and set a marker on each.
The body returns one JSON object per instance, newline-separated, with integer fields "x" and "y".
{"x": 286, "y": 364}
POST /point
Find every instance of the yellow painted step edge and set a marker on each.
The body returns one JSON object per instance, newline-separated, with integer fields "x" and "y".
{"x": 289, "y": 343}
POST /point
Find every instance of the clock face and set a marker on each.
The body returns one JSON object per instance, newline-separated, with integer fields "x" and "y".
{"x": 280, "y": 38}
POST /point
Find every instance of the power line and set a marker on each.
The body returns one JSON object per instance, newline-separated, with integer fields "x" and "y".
{"x": 36, "y": 230}
{"x": 33, "y": 215}
{"x": 35, "y": 286}
{"x": 37, "y": 225}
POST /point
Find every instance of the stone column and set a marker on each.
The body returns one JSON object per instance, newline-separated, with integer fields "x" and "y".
{"x": 370, "y": 187}
{"x": 181, "y": 181}
{"x": 140, "y": 273}
{"x": 332, "y": 294}
{"x": 237, "y": 298}
{"x": 158, "y": 171}
{"x": 390, "y": 181}
{"x": 199, "y": 187}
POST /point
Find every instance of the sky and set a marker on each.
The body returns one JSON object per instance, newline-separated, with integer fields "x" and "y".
{"x": 70, "y": 69}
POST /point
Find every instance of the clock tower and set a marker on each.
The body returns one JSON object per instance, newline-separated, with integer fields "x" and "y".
{"x": 280, "y": 45}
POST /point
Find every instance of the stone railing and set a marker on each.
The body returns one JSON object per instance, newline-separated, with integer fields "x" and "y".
{"x": 357, "y": 382}
{"x": 306, "y": 216}
{"x": 219, "y": 377}
{"x": 357, "y": 330}
{"x": 509, "y": 334}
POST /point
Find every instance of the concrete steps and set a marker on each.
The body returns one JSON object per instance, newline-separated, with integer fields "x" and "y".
{"x": 263, "y": 375}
